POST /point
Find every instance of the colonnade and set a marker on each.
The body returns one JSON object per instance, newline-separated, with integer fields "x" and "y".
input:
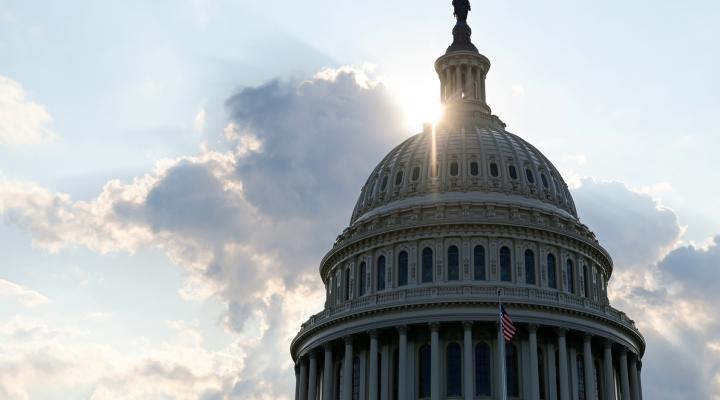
{"x": 550, "y": 364}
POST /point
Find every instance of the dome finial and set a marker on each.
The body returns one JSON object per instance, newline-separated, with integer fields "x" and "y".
{"x": 461, "y": 31}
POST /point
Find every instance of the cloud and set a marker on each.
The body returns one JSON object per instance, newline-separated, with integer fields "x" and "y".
{"x": 669, "y": 290}
{"x": 518, "y": 89}
{"x": 22, "y": 122}
{"x": 249, "y": 220}
{"x": 23, "y": 295}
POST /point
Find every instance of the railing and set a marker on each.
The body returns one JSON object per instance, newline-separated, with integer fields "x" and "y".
{"x": 431, "y": 294}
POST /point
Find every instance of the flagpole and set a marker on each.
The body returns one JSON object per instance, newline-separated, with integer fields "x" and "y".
{"x": 501, "y": 350}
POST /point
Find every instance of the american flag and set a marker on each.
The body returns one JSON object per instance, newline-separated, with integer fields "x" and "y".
{"x": 506, "y": 324}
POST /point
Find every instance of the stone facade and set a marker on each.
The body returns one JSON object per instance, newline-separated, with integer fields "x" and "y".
{"x": 448, "y": 221}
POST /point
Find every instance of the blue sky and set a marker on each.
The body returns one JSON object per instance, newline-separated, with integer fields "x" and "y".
{"x": 138, "y": 139}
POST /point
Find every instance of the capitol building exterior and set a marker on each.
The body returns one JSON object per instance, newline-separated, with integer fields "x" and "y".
{"x": 447, "y": 220}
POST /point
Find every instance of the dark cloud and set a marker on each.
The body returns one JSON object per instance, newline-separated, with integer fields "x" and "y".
{"x": 697, "y": 270}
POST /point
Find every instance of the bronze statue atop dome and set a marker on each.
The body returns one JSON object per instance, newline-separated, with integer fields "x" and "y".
{"x": 462, "y": 7}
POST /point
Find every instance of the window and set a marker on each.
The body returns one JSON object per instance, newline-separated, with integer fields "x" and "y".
{"x": 586, "y": 279}
{"x": 384, "y": 184}
{"x": 513, "y": 172}
{"x": 552, "y": 272}
{"x": 453, "y": 254}
{"x": 398, "y": 178}
{"x": 511, "y": 363}
{"x": 505, "y": 268}
{"x": 416, "y": 174}
{"x": 427, "y": 265}
{"x": 569, "y": 277}
{"x": 381, "y": 273}
{"x": 581, "y": 377}
{"x": 423, "y": 371}
{"x": 454, "y": 169}
{"x": 529, "y": 267}
{"x": 403, "y": 268}
{"x": 356, "y": 379}
{"x": 544, "y": 180}
{"x": 361, "y": 278}
{"x": 474, "y": 169}
{"x": 347, "y": 284}
{"x": 494, "y": 170}
{"x": 529, "y": 175}
{"x": 453, "y": 370}
{"x": 479, "y": 263}
{"x": 482, "y": 370}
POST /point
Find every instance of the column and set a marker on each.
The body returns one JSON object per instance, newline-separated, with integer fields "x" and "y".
{"x": 385, "y": 372}
{"x": 589, "y": 368}
{"x": 552, "y": 372}
{"x": 402, "y": 363}
{"x": 297, "y": 382}
{"x": 563, "y": 362}
{"x": 572, "y": 355}
{"x": 328, "y": 373}
{"x": 303, "y": 379}
{"x": 435, "y": 361}
{"x": 373, "y": 389}
{"x": 347, "y": 369}
{"x": 624, "y": 378}
{"x": 467, "y": 360}
{"x": 634, "y": 381}
{"x": 458, "y": 83}
{"x": 534, "y": 374}
{"x": 312, "y": 385}
{"x": 609, "y": 376}
{"x": 448, "y": 93}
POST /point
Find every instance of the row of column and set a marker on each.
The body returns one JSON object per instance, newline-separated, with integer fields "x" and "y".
{"x": 629, "y": 380}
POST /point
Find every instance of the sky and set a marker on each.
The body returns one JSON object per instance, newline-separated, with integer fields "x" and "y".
{"x": 171, "y": 173}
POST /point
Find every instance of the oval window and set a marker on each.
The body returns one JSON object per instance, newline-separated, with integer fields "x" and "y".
{"x": 454, "y": 169}
{"x": 416, "y": 173}
{"x": 529, "y": 175}
{"x": 494, "y": 170}
{"x": 513, "y": 172}
{"x": 398, "y": 178}
{"x": 474, "y": 169}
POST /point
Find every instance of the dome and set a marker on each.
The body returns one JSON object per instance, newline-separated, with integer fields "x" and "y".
{"x": 478, "y": 163}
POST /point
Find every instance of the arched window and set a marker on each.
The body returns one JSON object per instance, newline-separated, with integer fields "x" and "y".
{"x": 586, "y": 279}
{"x": 361, "y": 278}
{"x": 453, "y": 254}
{"x": 513, "y": 172}
{"x": 454, "y": 169}
{"x": 355, "y": 379}
{"x": 380, "y": 273}
{"x": 482, "y": 370}
{"x": 423, "y": 371}
{"x": 434, "y": 169}
{"x": 427, "y": 265}
{"x": 505, "y": 268}
{"x": 511, "y": 363}
{"x": 570, "y": 276}
{"x": 494, "y": 170}
{"x": 552, "y": 272}
{"x": 402, "y": 268}
{"x": 529, "y": 175}
{"x": 581, "y": 377}
{"x": 474, "y": 169}
{"x": 529, "y": 267}
{"x": 479, "y": 263}
{"x": 347, "y": 284}
{"x": 399, "y": 178}
{"x": 453, "y": 370}
{"x": 416, "y": 174}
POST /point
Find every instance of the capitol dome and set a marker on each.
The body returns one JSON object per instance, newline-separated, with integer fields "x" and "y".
{"x": 453, "y": 222}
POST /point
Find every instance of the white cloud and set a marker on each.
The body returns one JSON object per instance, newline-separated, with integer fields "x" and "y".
{"x": 21, "y": 294}
{"x": 200, "y": 120}
{"x": 22, "y": 122}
